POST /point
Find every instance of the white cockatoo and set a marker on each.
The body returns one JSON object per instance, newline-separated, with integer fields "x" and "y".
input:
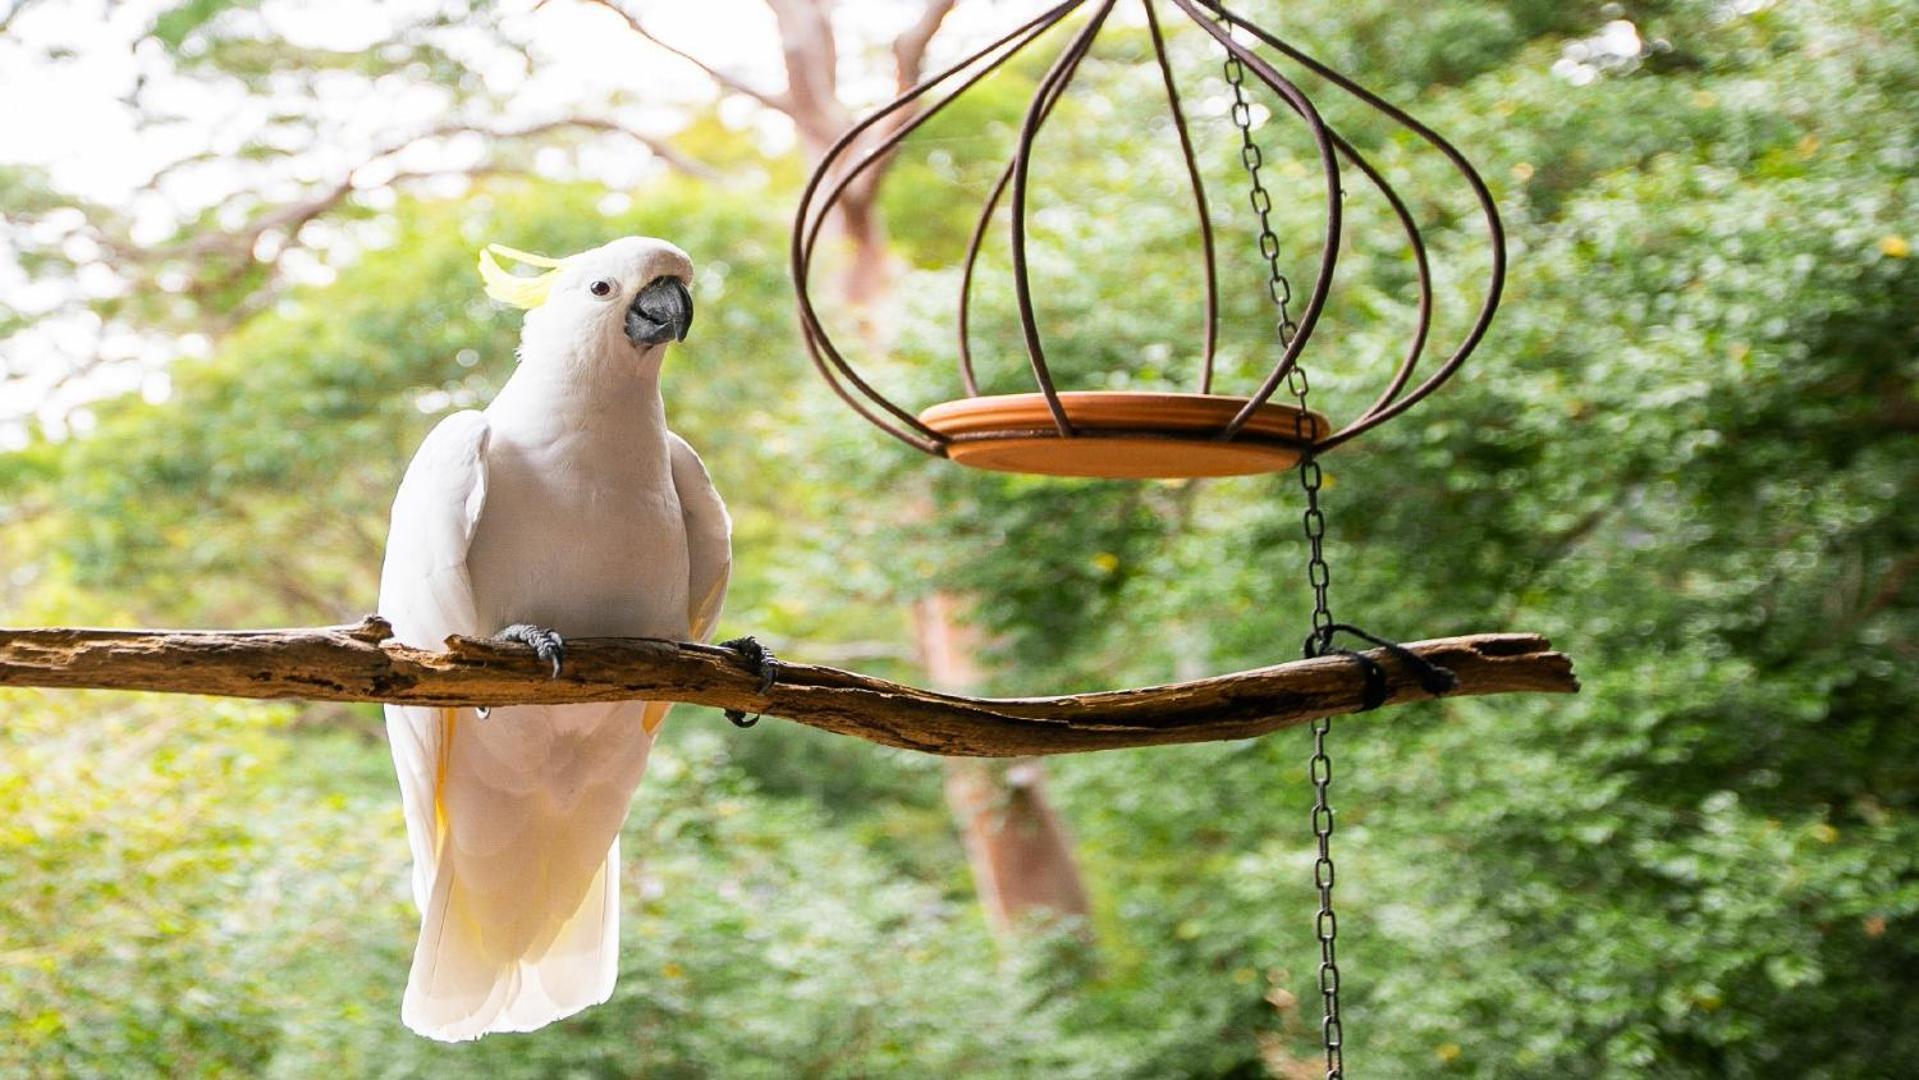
{"x": 566, "y": 507}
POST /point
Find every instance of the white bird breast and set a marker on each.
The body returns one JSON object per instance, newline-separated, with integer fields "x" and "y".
{"x": 581, "y": 535}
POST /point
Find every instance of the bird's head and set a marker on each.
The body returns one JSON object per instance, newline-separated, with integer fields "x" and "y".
{"x": 620, "y": 303}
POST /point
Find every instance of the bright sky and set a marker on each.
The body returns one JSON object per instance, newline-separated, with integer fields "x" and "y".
{"x": 582, "y": 54}
{"x": 80, "y": 126}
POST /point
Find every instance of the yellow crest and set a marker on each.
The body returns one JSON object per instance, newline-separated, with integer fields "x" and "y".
{"x": 508, "y": 288}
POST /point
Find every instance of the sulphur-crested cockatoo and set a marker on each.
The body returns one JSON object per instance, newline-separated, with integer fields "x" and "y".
{"x": 565, "y": 508}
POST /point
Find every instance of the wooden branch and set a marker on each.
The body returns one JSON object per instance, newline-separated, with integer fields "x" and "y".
{"x": 909, "y": 51}
{"x": 810, "y": 55}
{"x": 360, "y": 663}
{"x": 726, "y": 82}
{"x": 659, "y": 148}
{"x": 12, "y": 13}
{"x": 292, "y": 217}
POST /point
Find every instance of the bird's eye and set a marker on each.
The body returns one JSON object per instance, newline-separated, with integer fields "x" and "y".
{"x": 601, "y": 289}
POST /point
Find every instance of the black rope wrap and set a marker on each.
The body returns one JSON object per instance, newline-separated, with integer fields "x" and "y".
{"x": 1433, "y": 678}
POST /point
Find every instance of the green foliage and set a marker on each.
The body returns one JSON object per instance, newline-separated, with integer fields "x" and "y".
{"x": 173, "y": 26}
{"x": 200, "y": 891}
{"x": 1686, "y": 453}
{"x": 174, "y": 885}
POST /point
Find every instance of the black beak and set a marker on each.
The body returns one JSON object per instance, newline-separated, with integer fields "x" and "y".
{"x": 662, "y": 312}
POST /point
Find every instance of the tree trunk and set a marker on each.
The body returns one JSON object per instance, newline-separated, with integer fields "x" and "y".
{"x": 1022, "y": 859}
{"x": 1021, "y": 856}
{"x": 868, "y": 281}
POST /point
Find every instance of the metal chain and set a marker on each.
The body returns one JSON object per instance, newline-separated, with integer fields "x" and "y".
{"x": 1277, "y": 285}
{"x": 1320, "y": 766}
{"x": 1326, "y": 924}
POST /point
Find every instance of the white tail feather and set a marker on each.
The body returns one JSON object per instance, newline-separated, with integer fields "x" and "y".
{"x": 457, "y": 990}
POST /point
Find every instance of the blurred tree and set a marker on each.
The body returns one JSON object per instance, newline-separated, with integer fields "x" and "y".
{"x": 813, "y": 39}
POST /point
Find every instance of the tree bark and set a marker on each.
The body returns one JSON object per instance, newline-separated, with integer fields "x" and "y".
{"x": 868, "y": 278}
{"x": 360, "y": 664}
{"x": 1024, "y": 866}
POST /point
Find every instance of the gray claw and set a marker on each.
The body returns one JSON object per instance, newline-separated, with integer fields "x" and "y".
{"x": 546, "y": 644}
{"x": 759, "y": 660}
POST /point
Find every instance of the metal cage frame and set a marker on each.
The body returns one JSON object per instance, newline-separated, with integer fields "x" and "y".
{"x": 838, "y": 169}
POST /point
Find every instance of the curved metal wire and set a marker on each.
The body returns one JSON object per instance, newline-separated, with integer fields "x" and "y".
{"x": 1053, "y": 85}
{"x": 1329, "y": 163}
{"x": 826, "y": 357}
{"x": 1496, "y": 229}
{"x": 1211, "y": 348}
{"x": 835, "y": 174}
{"x": 1416, "y": 246}
{"x": 1049, "y": 95}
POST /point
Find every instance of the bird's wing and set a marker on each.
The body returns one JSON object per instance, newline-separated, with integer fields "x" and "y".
{"x": 709, "y": 539}
{"x": 426, "y": 594}
{"x": 709, "y": 549}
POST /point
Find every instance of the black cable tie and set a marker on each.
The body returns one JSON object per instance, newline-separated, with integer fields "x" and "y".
{"x": 1433, "y": 678}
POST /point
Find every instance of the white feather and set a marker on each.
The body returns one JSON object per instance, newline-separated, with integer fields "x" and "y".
{"x": 568, "y": 505}
{"x": 425, "y": 592}
{"x": 709, "y": 537}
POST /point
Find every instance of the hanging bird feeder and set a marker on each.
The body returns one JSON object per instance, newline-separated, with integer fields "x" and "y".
{"x": 1212, "y": 430}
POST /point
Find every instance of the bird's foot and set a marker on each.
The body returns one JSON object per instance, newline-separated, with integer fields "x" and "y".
{"x": 760, "y": 661}
{"x": 548, "y": 645}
